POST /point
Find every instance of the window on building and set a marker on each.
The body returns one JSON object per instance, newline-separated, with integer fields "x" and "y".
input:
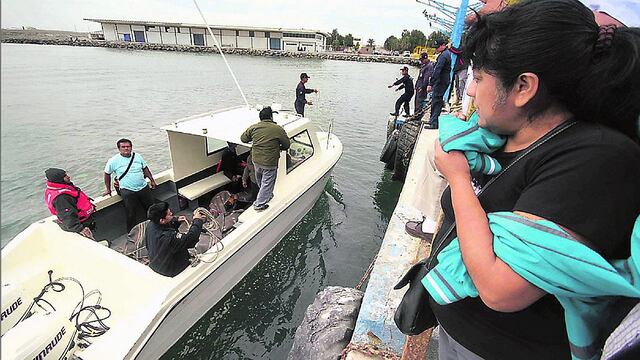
{"x": 267, "y": 34}
{"x": 215, "y": 145}
{"x": 300, "y": 150}
{"x": 252, "y": 34}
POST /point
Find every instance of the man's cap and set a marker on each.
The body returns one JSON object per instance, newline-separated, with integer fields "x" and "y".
{"x": 266, "y": 113}
{"x": 157, "y": 211}
{"x": 440, "y": 42}
{"x": 404, "y": 68}
{"x": 424, "y": 56}
{"x": 304, "y": 76}
{"x": 55, "y": 175}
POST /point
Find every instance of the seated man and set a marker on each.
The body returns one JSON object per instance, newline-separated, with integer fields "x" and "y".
{"x": 70, "y": 204}
{"x": 232, "y": 166}
{"x": 167, "y": 247}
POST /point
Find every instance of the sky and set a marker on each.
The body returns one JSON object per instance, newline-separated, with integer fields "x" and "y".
{"x": 376, "y": 19}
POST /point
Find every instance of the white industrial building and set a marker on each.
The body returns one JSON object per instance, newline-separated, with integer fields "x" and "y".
{"x": 228, "y": 36}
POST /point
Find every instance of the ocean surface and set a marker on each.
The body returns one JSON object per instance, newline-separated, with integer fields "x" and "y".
{"x": 66, "y": 107}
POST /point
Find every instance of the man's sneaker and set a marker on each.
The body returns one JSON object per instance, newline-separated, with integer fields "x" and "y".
{"x": 414, "y": 228}
{"x": 430, "y": 126}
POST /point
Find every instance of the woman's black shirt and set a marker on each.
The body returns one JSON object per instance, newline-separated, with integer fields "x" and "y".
{"x": 586, "y": 179}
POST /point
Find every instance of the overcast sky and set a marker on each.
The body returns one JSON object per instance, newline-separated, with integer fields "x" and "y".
{"x": 375, "y": 19}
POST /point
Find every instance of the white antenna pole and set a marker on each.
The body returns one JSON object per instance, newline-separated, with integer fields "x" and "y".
{"x": 221, "y": 53}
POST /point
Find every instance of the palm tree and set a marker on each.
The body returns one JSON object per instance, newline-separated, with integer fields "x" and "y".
{"x": 371, "y": 42}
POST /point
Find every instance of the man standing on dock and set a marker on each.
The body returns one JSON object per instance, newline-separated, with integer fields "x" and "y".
{"x": 422, "y": 82}
{"x": 301, "y": 92}
{"x": 439, "y": 81}
{"x": 131, "y": 170}
{"x": 268, "y": 139}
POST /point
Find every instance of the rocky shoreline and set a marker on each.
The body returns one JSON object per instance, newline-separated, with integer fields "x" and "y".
{"x": 206, "y": 49}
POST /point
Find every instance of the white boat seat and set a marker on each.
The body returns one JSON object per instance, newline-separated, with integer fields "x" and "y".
{"x": 201, "y": 187}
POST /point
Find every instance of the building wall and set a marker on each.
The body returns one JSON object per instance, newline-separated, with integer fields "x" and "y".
{"x": 168, "y": 36}
{"x": 183, "y": 37}
{"x": 154, "y": 37}
{"x": 228, "y": 38}
{"x": 260, "y": 43}
{"x": 109, "y": 31}
{"x": 246, "y": 39}
{"x": 209, "y": 40}
{"x": 244, "y": 42}
{"x": 124, "y": 31}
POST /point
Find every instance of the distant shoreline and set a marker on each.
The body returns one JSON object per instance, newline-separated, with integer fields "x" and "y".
{"x": 52, "y": 37}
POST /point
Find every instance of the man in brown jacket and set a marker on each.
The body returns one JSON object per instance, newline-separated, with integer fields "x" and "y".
{"x": 268, "y": 139}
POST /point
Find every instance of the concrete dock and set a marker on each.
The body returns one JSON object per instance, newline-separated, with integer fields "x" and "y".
{"x": 376, "y": 335}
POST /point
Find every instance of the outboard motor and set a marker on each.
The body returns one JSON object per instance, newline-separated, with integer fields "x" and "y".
{"x": 43, "y": 335}
{"x": 16, "y": 300}
{"x": 51, "y": 323}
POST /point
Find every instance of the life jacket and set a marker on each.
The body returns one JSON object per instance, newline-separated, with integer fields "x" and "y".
{"x": 53, "y": 190}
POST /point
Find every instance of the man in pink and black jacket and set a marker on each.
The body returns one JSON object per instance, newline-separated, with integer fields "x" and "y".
{"x": 71, "y": 205}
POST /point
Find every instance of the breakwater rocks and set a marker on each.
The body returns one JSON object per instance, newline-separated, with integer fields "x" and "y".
{"x": 207, "y": 49}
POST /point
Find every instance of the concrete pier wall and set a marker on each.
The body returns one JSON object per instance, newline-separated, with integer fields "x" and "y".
{"x": 375, "y": 327}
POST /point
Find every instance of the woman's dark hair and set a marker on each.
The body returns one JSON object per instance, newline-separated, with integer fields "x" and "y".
{"x": 124, "y": 141}
{"x": 596, "y": 80}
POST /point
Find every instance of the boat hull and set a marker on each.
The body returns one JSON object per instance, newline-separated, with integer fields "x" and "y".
{"x": 207, "y": 293}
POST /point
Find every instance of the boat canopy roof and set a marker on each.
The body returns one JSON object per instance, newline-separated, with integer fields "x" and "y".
{"x": 226, "y": 125}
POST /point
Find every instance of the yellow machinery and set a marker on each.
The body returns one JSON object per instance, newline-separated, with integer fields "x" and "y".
{"x": 423, "y": 49}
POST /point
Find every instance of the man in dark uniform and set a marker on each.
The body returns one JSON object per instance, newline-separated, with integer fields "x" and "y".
{"x": 439, "y": 81}
{"x": 422, "y": 82}
{"x": 406, "y": 83}
{"x": 301, "y": 92}
{"x": 232, "y": 166}
{"x": 167, "y": 247}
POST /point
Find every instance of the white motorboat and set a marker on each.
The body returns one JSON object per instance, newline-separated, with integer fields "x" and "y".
{"x": 65, "y": 296}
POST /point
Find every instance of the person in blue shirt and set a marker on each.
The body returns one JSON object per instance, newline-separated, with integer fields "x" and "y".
{"x": 130, "y": 184}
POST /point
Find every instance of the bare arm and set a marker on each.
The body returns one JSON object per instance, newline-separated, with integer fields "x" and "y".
{"x": 148, "y": 175}
{"x": 107, "y": 184}
{"x": 500, "y": 288}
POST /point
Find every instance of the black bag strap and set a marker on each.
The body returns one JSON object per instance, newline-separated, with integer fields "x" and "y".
{"x": 133, "y": 155}
{"x": 548, "y": 136}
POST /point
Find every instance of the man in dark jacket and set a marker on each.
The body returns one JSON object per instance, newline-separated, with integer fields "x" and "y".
{"x": 167, "y": 247}
{"x": 232, "y": 166}
{"x": 72, "y": 206}
{"x": 439, "y": 82}
{"x": 460, "y": 73}
{"x": 301, "y": 92}
{"x": 406, "y": 83}
{"x": 422, "y": 82}
{"x": 268, "y": 139}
